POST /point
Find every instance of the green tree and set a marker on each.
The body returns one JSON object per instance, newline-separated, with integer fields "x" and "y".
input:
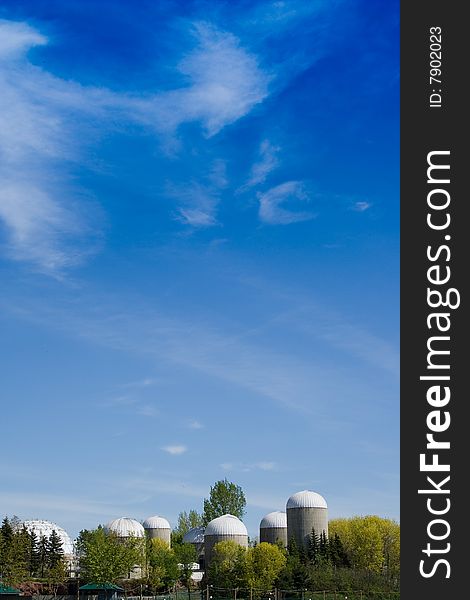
{"x": 225, "y": 498}
{"x": 33, "y": 554}
{"x": 313, "y": 546}
{"x": 371, "y": 543}
{"x": 264, "y": 563}
{"x": 57, "y": 575}
{"x": 186, "y": 556}
{"x": 106, "y": 558}
{"x": 55, "y": 550}
{"x": 162, "y": 565}
{"x": 14, "y": 551}
{"x": 187, "y": 521}
{"x": 227, "y": 568}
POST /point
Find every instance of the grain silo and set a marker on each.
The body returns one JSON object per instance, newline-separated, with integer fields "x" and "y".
{"x": 125, "y": 527}
{"x": 223, "y": 529}
{"x": 273, "y": 528}
{"x": 306, "y": 511}
{"x": 158, "y": 528}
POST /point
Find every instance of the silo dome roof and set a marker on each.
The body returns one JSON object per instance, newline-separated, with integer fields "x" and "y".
{"x": 226, "y": 525}
{"x": 274, "y": 519}
{"x": 126, "y": 527}
{"x": 306, "y": 499}
{"x": 156, "y": 522}
{"x": 44, "y": 529}
{"x": 194, "y": 536}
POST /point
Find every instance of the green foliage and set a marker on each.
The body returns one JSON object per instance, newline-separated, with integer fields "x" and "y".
{"x": 264, "y": 563}
{"x": 225, "y": 498}
{"x": 371, "y": 543}
{"x": 162, "y": 565}
{"x": 186, "y": 556}
{"x": 14, "y": 552}
{"x": 227, "y": 568}
{"x": 187, "y": 521}
{"x": 106, "y": 558}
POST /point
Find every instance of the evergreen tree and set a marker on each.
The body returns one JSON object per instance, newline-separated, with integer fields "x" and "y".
{"x": 55, "y": 550}
{"x": 313, "y": 546}
{"x": 33, "y": 554}
{"x": 43, "y": 556}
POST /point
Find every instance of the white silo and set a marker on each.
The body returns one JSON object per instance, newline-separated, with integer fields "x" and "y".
{"x": 158, "y": 528}
{"x": 125, "y": 527}
{"x": 306, "y": 510}
{"x": 222, "y": 529}
{"x": 273, "y": 528}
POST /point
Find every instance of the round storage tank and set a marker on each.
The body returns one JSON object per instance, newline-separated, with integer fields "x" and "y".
{"x": 273, "y": 528}
{"x": 223, "y": 529}
{"x": 158, "y": 528}
{"x": 125, "y": 527}
{"x": 306, "y": 511}
{"x": 195, "y": 536}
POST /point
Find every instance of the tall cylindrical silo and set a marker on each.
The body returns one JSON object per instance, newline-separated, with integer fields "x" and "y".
{"x": 158, "y": 528}
{"x": 273, "y": 528}
{"x": 306, "y": 511}
{"x": 222, "y": 529}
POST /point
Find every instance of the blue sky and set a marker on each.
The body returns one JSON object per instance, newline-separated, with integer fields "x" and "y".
{"x": 199, "y": 237}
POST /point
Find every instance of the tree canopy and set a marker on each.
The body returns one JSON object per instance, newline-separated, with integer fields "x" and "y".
{"x": 225, "y": 498}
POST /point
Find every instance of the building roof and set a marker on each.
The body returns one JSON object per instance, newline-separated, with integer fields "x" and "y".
{"x": 194, "y": 536}
{"x": 226, "y": 525}
{"x": 125, "y": 527}
{"x": 276, "y": 519}
{"x": 101, "y": 586}
{"x": 44, "y": 528}
{"x": 306, "y": 499}
{"x": 8, "y": 590}
{"x": 156, "y": 522}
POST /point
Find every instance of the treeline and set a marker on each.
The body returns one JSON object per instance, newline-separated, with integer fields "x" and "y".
{"x": 25, "y": 556}
{"x": 361, "y": 553}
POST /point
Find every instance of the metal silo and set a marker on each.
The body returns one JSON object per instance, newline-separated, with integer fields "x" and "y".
{"x": 158, "y": 528}
{"x": 125, "y": 527}
{"x": 223, "y": 529}
{"x": 273, "y": 528}
{"x": 306, "y": 511}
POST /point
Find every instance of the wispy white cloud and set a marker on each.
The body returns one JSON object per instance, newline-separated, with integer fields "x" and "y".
{"x": 175, "y": 450}
{"x": 42, "y": 120}
{"x": 361, "y": 206}
{"x": 271, "y": 209}
{"x": 195, "y": 424}
{"x": 198, "y": 200}
{"x": 46, "y": 220}
{"x": 247, "y": 467}
{"x": 225, "y": 82}
{"x": 268, "y": 161}
{"x": 15, "y": 37}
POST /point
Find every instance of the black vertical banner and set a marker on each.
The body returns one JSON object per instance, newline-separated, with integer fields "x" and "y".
{"x": 434, "y": 292}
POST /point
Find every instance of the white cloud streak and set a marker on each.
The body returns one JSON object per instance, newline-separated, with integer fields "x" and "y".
{"x": 271, "y": 210}
{"x": 225, "y": 83}
{"x": 268, "y": 162}
{"x": 175, "y": 450}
